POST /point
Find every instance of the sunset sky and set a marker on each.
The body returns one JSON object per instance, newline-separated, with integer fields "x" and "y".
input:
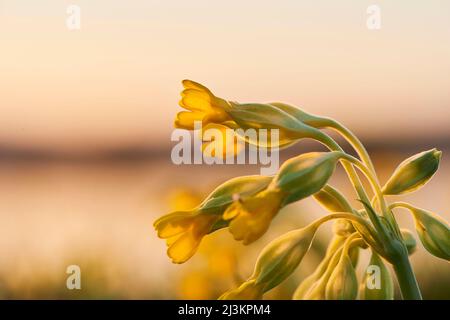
{"x": 116, "y": 81}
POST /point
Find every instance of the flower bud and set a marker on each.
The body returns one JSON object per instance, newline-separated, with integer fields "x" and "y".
{"x": 308, "y": 282}
{"x": 251, "y": 217}
{"x": 299, "y": 114}
{"x": 433, "y": 231}
{"x": 343, "y": 284}
{"x": 343, "y": 227}
{"x": 377, "y": 283}
{"x": 413, "y": 172}
{"x": 239, "y": 187}
{"x": 305, "y": 175}
{"x": 353, "y": 253}
{"x": 409, "y": 240}
{"x": 249, "y": 290}
{"x": 332, "y": 200}
{"x": 266, "y": 116}
{"x": 282, "y": 256}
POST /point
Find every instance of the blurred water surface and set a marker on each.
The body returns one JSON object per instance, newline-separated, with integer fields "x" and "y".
{"x": 99, "y": 215}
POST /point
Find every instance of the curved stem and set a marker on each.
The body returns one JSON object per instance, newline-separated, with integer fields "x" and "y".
{"x": 354, "y": 142}
{"x": 401, "y": 204}
{"x": 333, "y": 146}
{"x": 386, "y": 212}
{"x": 341, "y": 215}
{"x": 349, "y": 242}
{"x": 370, "y": 177}
{"x": 371, "y": 237}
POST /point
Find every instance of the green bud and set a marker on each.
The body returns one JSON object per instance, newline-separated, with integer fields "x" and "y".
{"x": 343, "y": 227}
{"x": 267, "y": 116}
{"x": 226, "y": 193}
{"x": 433, "y": 231}
{"x": 305, "y": 175}
{"x": 343, "y": 284}
{"x": 307, "y": 118}
{"x": 307, "y": 283}
{"x": 317, "y": 290}
{"x": 413, "y": 172}
{"x": 332, "y": 200}
{"x": 353, "y": 253}
{"x": 409, "y": 240}
{"x": 282, "y": 256}
{"x": 377, "y": 283}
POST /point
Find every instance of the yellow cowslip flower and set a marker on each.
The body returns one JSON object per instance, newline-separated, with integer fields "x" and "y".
{"x": 184, "y": 230}
{"x": 297, "y": 178}
{"x": 204, "y": 106}
{"x": 249, "y": 290}
{"x": 413, "y": 172}
{"x": 220, "y": 143}
{"x": 250, "y": 218}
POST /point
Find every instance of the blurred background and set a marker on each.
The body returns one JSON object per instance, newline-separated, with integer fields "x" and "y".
{"x": 86, "y": 117}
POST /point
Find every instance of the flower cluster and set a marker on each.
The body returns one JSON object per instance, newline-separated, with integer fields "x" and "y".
{"x": 247, "y": 205}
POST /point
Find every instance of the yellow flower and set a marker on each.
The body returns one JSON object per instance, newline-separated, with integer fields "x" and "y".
{"x": 251, "y": 217}
{"x": 202, "y": 105}
{"x": 219, "y": 141}
{"x": 183, "y": 231}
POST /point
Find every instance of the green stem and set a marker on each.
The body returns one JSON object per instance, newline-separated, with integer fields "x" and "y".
{"x": 354, "y": 142}
{"x": 370, "y": 176}
{"x": 370, "y": 236}
{"x": 377, "y": 189}
{"x": 406, "y": 278}
{"x": 333, "y": 146}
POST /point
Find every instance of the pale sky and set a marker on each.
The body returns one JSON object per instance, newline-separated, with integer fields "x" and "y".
{"x": 116, "y": 81}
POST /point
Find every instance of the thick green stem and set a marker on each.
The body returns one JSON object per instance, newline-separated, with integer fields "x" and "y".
{"x": 406, "y": 278}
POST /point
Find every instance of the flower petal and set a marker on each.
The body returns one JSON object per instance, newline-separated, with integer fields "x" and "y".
{"x": 183, "y": 248}
{"x": 185, "y": 119}
{"x": 189, "y": 84}
{"x": 174, "y": 223}
{"x": 195, "y": 100}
